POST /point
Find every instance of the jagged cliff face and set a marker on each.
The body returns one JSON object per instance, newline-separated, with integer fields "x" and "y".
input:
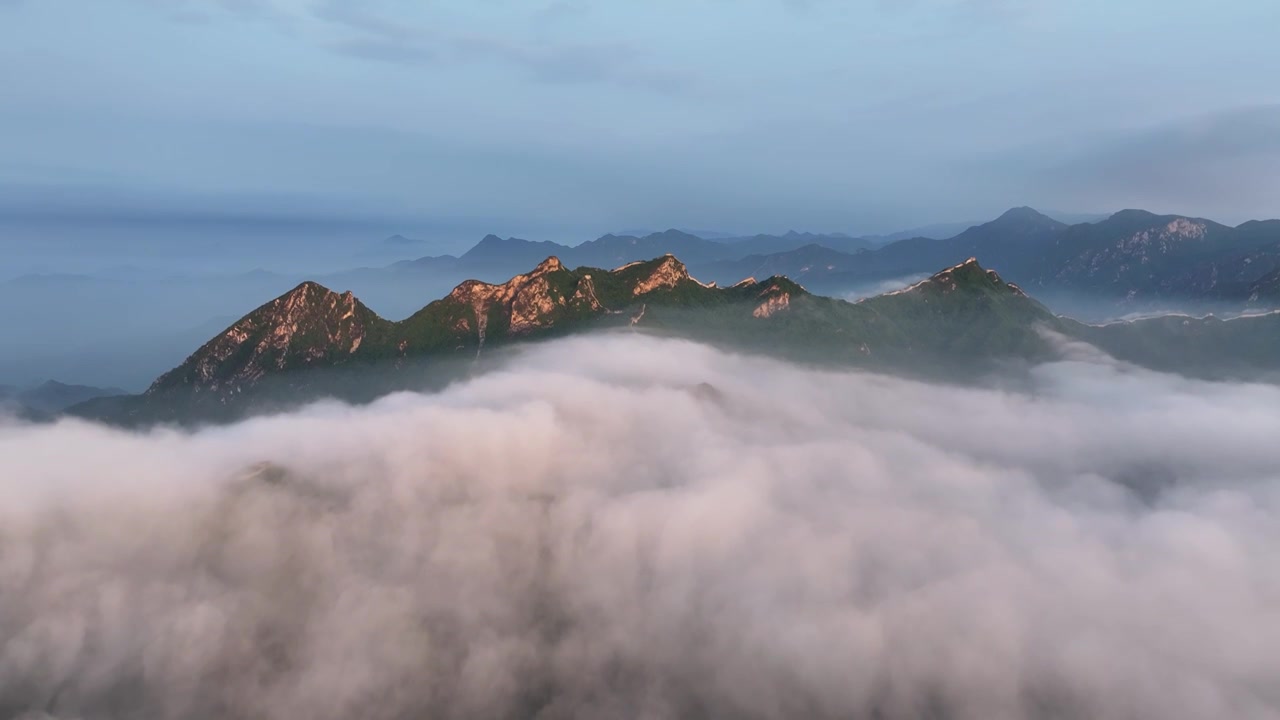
{"x": 527, "y": 301}
{"x": 774, "y": 299}
{"x": 551, "y": 294}
{"x": 585, "y": 296}
{"x": 308, "y": 325}
{"x": 668, "y": 273}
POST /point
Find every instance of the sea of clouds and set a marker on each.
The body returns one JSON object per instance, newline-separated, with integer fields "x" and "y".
{"x": 626, "y": 527}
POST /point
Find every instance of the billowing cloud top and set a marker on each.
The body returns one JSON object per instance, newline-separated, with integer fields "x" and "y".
{"x": 627, "y": 527}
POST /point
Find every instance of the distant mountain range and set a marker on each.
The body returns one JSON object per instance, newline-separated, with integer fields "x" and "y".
{"x": 506, "y": 256}
{"x": 792, "y": 240}
{"x": 1132, "y": 258}
{"x": 398, "y": 240}
{"x": 124, "y": 328}
{"x": 49, "y": 398}
{"x": 960, "y": 322}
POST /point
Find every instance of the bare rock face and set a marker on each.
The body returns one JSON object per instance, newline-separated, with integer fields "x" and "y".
{"x": 531, "y": 306}
{"x": 776, "y": 300}
{"x": 528, "y": 300}
{"x": 1147, "y": 245}
{"x": 585, "y": 296}
{"x": 307, "y": 325}
{"x": 668, "y": 273}
{"x": 1161, "y": 239}
{"x": 1131, "y": 257}
{"x": 541, "y": 298}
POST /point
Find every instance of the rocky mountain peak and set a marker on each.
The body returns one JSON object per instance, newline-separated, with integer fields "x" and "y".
{"x": 775, "y": 297}
{"x": 665, "y": 272}
{"x": 1132, "y": 215}
{"x": 551, "y": 264}
{"x": 528, "y": 298}
{"x": 967, "y": 276}
{"x": 309, "y": 300}
{"x": 1024, "y": 214}
{"x": 970, "y": 273}
{"x": 1021, "y": 221}
{"x": 311, "y": 327}
{"x": 308, "y": 324}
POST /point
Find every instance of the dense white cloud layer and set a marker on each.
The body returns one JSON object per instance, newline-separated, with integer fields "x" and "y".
{"x": 595, "y": 533}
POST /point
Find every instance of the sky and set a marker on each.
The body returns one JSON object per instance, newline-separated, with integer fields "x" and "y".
{"x": 565, "y": 119}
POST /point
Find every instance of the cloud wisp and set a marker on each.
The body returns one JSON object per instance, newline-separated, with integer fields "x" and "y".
{"x": 400, "y": 35}
{"x": 627, "y": 527}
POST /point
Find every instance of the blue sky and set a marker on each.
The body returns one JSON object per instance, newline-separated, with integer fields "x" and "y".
{"x": 568, "y": 118}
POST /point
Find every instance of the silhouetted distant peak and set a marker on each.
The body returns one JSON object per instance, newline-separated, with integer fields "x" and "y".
{"x": 1259, "y": 225}
{"x": 54, "y": 386}
{"x": 495, "y": 249}
{"x": 1018, "y": 222}
{"x": 399, "y": 239}
{"x": 1134, "y": 215}
{"x": 53, "y": 396}
{"x": 1024, "y": 214}
{"x": 1025, "y": 217}
{"x": 673, "y": 234}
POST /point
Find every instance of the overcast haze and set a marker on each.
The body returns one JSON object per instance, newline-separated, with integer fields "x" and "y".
{"x": 567, "y": 119}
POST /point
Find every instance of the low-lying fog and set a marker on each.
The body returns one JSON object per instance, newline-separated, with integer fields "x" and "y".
{"x": 596, "y": 533}
{"x": 117, "y": 303}
{"x": 879, "y": 287}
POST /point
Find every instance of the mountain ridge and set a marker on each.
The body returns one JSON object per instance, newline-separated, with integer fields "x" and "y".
{"x": 1130, "y": 258}
{"x": 311, "y": 325}
{"x": 961, "y": 321}
{"x": 314, "y": 328}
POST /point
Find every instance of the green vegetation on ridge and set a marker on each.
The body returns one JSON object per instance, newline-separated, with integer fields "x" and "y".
{"x": 313, "y": 342}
